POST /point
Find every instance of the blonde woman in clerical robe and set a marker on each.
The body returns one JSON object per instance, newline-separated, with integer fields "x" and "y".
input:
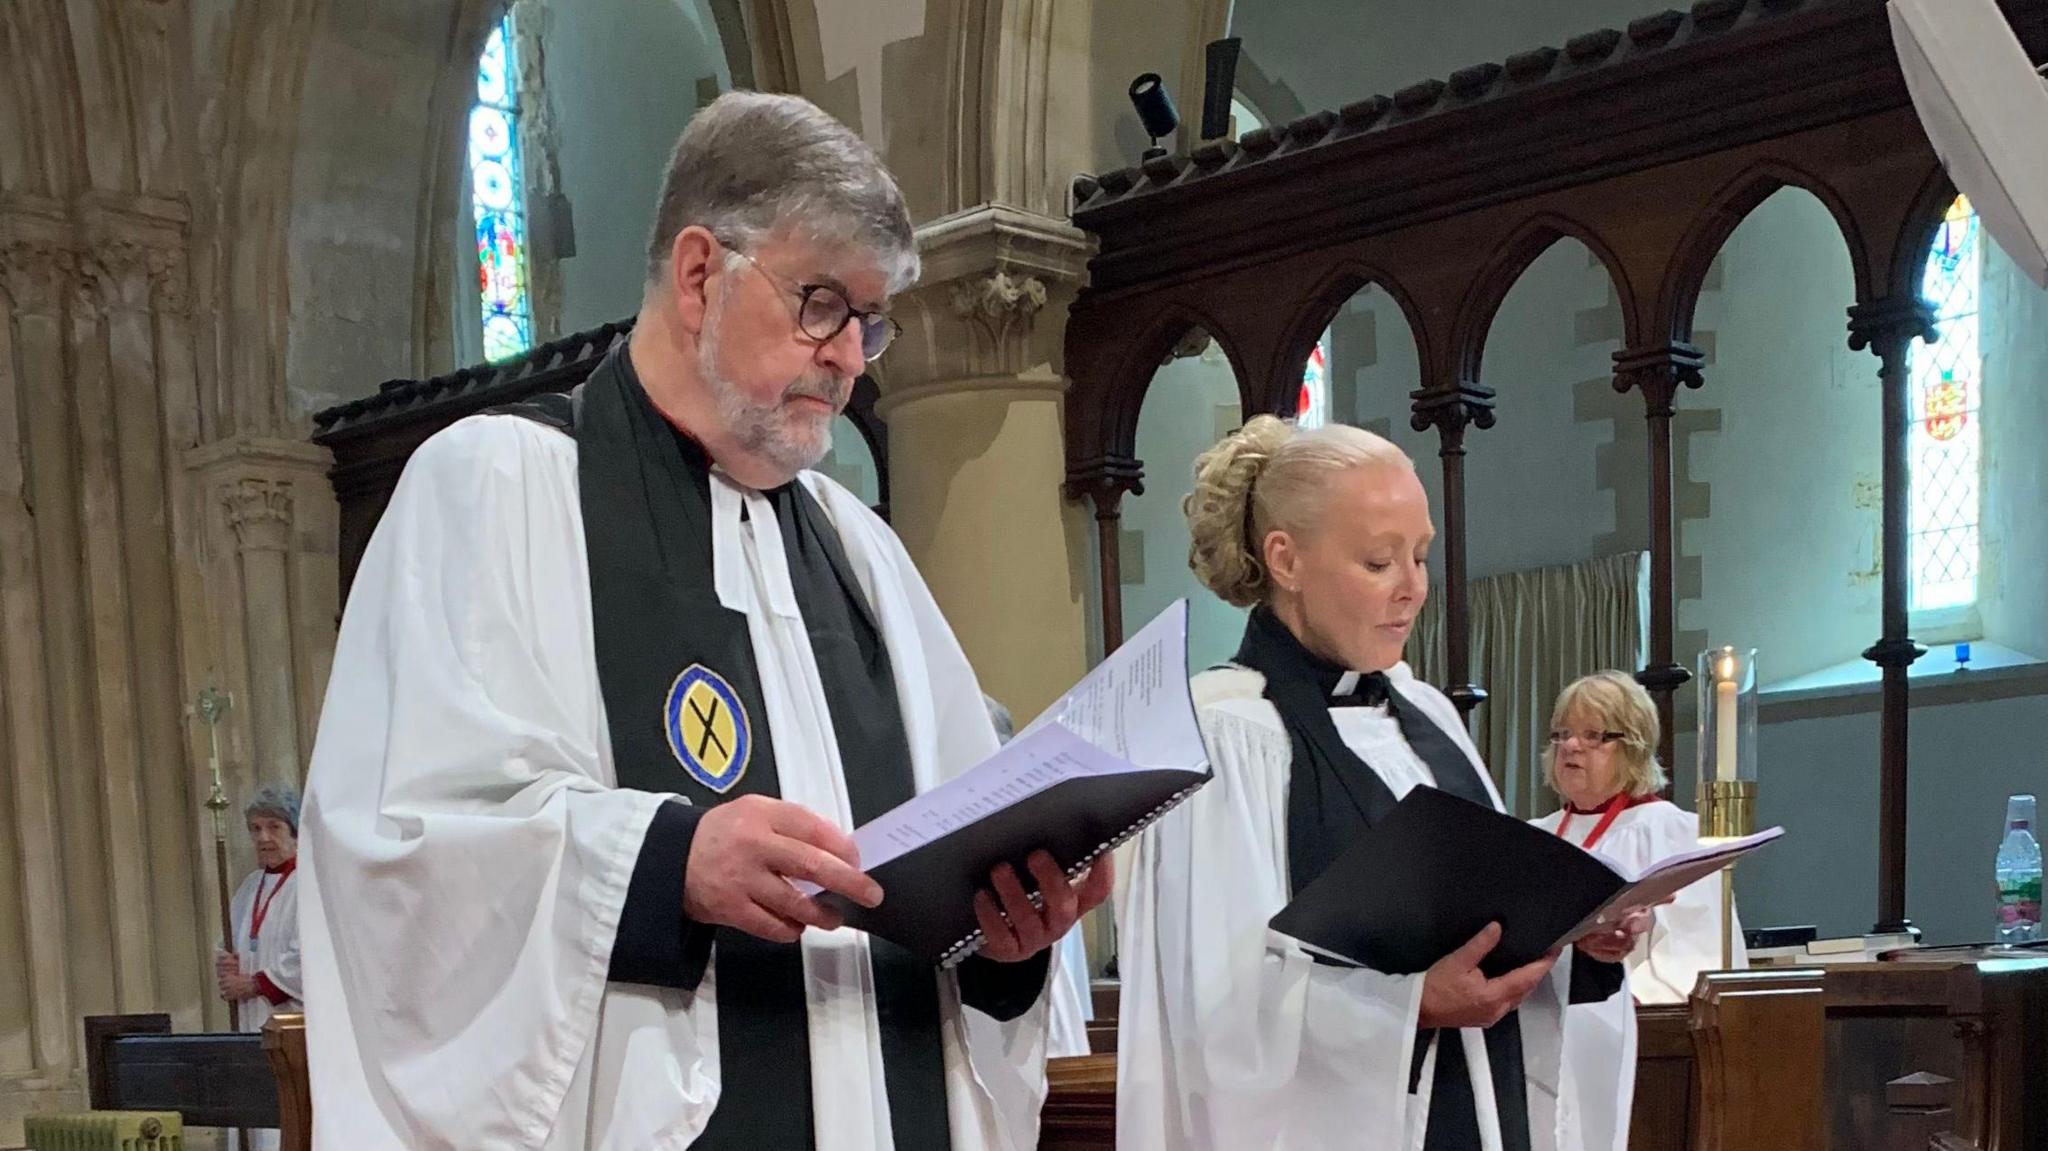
{"x": 1232, "y": 1036}
{"x": 1602, "y": 762}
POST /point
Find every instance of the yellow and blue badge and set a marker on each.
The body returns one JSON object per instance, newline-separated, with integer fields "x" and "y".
{"x": 707, "y": 728}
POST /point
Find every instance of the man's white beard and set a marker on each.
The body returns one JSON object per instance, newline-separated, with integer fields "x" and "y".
{"x": 775, "y": 433}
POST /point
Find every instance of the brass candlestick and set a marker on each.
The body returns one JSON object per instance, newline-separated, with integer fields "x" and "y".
{"x": 1728, "y": 813}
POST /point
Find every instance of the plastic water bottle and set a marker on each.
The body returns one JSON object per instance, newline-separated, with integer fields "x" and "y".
{"x": 2019, "y": 875}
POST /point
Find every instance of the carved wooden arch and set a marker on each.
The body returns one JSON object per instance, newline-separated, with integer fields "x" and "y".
{"x": 1524, "y": 244}
{"x": 1319, "y": 310}
{"x": 1119, "y": 397}
{"x": 1923, "y": 220}
{"x": 1658, "y": 138}
{"x": 1724, "y": 213}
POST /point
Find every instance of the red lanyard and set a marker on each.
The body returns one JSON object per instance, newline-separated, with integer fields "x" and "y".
{"x": 263, "y": 902}
{"x": 1615, "y": 807}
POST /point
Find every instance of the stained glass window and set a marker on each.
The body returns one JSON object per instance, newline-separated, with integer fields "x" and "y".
{"x": 1313, "y": 409}
{"x": 1947, "y": 431}
{"x": 497, "y": 194}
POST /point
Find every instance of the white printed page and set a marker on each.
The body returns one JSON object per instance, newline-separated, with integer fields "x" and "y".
{"x": 1131, "y": 713}
{"x": 1674, "y": 873}
{"x": 1135, "y": 703}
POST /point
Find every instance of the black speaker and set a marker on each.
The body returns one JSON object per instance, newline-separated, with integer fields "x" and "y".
{"x": 1218, "y": 86}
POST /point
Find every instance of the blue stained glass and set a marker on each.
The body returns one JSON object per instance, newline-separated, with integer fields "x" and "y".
{"x": 493, "y": 79}
{"x": 493, "y": 186}
{"x": 498, "y": 199}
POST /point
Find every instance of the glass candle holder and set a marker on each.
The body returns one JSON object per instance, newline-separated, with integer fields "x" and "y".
{"x": 1727, "y": 742}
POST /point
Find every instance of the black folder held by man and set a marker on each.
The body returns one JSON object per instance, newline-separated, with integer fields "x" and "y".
{"x": 1106, "y": 759}
{"x": 1438, "y": 869}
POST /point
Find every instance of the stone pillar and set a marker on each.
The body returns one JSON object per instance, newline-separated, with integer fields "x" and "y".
{"x": 260, "y": 512}
{"x": 972, "y": 395}
{"x": 271, "y": 588}
{"x": 34, "y": 278}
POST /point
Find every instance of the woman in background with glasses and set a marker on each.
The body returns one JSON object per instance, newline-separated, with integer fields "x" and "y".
{"x": 1603, "y": 765}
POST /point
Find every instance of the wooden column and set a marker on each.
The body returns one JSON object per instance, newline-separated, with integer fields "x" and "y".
{"x": 1450, "y": 412}
{"x": 1104, "y": 488}
{"x": 1658, "y": 372}
{"x": 1888, "y": 327}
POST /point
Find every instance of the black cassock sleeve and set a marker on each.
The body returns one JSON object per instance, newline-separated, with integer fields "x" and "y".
{"x": 1003, "y": 991}
{"x": 656, "y": 943}
{"x": 1594, "y": 981}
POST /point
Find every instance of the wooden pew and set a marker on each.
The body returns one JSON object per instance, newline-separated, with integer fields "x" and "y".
{"x": 1664, "y": 1099}
{"x": 212, "y": 1079}
{"x": 1939, "y": 1049}
{"x": 284, "y": 1045}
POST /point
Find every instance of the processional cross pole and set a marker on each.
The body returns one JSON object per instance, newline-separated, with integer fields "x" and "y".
{"x": 212, "y": 705}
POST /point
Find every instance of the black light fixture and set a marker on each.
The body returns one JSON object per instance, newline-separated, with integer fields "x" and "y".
{"x": 1155, "y": 111}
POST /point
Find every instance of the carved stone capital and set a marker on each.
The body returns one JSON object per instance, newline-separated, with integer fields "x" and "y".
{"x": 1658, "y": 371}
{"x": 36, "y": 277}
{"x": 170, "y": 281}
{"x": 260, "y": 511}
{"x": 114, "y": 276}
{"x": 991, "y": 307}
{"x": 1192, "y": 343}
{"x": 998, "y": 300}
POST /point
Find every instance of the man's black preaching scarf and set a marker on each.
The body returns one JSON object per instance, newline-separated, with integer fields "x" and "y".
{"x": 1333, "y": 797}
{"x": 647, "y": 522}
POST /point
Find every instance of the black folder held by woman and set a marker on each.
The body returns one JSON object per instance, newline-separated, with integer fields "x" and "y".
{"x": 1438, "y": 869}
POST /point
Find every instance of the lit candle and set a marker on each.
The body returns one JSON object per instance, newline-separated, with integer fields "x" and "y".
{"x": 1725, "y": 719}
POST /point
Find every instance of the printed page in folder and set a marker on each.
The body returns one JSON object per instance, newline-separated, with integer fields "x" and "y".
{"x": 1103, "y": 761}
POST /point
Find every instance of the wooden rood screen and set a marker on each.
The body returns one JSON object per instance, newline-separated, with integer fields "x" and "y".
{"x": 1648, "y": 144}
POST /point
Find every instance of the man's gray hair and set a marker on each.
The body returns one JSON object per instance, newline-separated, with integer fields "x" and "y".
{"x": 277, "y": 800}
{"x": 753, "y": 165}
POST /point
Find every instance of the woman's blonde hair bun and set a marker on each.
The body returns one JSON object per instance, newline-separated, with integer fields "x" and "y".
{"x": 1267, "y": 476}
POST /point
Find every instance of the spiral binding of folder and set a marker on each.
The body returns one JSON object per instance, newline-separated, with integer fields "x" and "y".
{"x": 974, "y": 940}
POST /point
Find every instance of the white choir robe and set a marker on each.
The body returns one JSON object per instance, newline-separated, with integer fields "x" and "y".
{"x": 274, "y": 954}
{"x": 1599, "y": 1074}
{"x": 1229, "y": 1035}
{"x": 466, "y": 853}
{"x": 1068, "y": 1007}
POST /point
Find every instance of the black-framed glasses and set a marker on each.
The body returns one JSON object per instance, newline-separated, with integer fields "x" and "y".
{"x": 823, "y": 311}
{"x": 1585, "y": 738}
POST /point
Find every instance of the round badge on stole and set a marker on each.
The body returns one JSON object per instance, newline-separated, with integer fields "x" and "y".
{"x": 707, "y": 728}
